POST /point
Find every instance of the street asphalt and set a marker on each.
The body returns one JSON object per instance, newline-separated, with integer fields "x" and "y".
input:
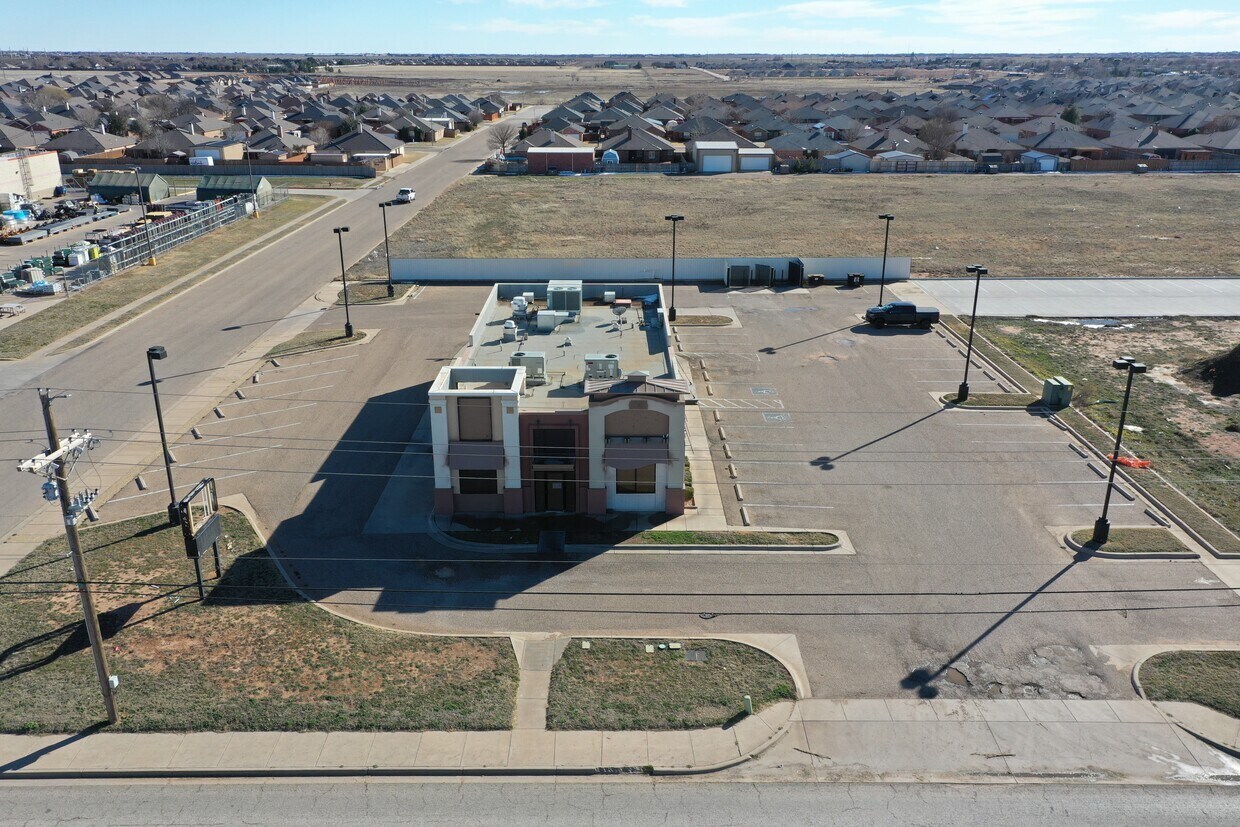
{"x": 203, "y": 328}
{"x": 948, "y": 510}
{"x": 633, "y": 803}
{"x": 1083, "y": 298}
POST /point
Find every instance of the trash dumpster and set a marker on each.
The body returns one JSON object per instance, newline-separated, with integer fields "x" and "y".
{"x": 856, "y": 279}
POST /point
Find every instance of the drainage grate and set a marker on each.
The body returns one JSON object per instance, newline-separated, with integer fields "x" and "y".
{"x": 777, "y": 417}
{"x": 764, "y": 391}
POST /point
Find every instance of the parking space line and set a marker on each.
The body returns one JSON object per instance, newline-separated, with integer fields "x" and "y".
{"x": 268, "y": 413}
{"x": 1093, "y": 505}
{"x": 302, "y": 378}
{"x": 228, "y": 456}
{"x": 309, "y": 364}
{"x": 251, "y": 433}
{"x": 274, "y": 396}
{"x": 151, "y": 491}
{"x": 1208, "y": 286}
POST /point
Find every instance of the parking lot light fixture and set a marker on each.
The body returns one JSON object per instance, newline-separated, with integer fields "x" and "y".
{"x": 882, "y": 276}
{"x": 675, "y": 219}
{"x": 978, "y": 271}
{"x": 146, "y": 224}
{"x": 387, "y": 251}
{"x": 344, "y": 283}
{"x": 153, "y": 354}
{"x": 1102, "y": 526}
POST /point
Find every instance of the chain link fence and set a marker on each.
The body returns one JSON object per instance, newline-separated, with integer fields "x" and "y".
{"x": 152, "y": 239}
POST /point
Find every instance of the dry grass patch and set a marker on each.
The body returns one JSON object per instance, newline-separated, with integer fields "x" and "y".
{"x": 1208, "y": 678}
{"x": 1132, "y": 541}
{"x": 252, "y": 657}
{"x": 618, "y": 685}
{"x": 315, "y": 340}
{"x": 1183, "y": 426}
{"x": 1021, "y": 225}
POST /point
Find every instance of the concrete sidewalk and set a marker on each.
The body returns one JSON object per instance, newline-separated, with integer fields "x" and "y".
{"x": 898, "y": 740}
{"x": 506, "y": 752}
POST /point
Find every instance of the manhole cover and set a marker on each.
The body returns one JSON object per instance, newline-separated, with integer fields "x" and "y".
{"x": 695, "y": 655}
{"x": 777, "y": 417}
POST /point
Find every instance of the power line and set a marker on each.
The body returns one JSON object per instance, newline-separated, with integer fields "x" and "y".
{"x": 496, "y": 607}
{"x": 205, "y": 466}
{"x": 618, "y": 594}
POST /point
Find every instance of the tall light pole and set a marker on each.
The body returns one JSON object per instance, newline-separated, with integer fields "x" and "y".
{"x": 154, "y": 353}
{"x": 882, "y": 276}
{"x": 348, "y": 324}
{"x": 675, "y": 219}
{"x": 146, "y": 226}
{"x": 249, "y": 165}
{"x": 978, "y": 271}
{"x": 387, "y": 251}
{"x": 1102, "y": 526}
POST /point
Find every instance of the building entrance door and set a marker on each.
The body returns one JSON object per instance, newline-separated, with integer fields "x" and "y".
{"x": 554, "y": 491}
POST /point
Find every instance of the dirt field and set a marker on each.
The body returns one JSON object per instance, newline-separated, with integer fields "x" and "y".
{"x": 552, "y": 84}
{"x": 1191, "y": 436}
{"x": 1019, "y": 225}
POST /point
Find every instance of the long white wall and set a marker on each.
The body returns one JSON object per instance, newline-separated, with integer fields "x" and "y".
{"x": 490, "y": 270}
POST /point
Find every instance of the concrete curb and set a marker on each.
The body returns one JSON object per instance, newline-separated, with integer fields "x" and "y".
{"x": 1079, "y": 548}
{"x": 1136, "y": 684}
{"x": 586, "y": 550}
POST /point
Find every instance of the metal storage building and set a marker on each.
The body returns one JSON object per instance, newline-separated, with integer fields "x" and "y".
{"x": 224, "y": 186}
{"x": 114, "y": 186}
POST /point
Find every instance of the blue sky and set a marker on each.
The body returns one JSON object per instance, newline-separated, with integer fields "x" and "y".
{"x": 618, "y": 26}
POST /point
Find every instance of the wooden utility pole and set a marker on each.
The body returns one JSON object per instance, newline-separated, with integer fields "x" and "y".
{"x": 75, "y": 553}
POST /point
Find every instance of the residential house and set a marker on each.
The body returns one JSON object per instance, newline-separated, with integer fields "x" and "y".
{"x": 637, "y": 146}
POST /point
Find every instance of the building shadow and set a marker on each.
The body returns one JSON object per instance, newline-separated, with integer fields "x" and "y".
{"x": 324, "y": 551}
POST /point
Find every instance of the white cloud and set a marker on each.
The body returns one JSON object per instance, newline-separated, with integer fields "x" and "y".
{"x": 559, "y": 4}
{"x": 839, "y": 9}
{"x": 1192, "y": 19}
{"x": 1007, "y": 22}
{"x": 713, "y": 26}
{"x": 503, "y": 25}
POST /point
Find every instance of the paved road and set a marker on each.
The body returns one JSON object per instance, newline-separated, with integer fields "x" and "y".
{"x": 627, "y": 803}
{"x": 205, "y": 327}
{"x": 1086, "y": 297}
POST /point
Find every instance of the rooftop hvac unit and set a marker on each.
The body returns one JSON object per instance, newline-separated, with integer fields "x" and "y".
{"x": 564, "y": 297}
{"x": 535, "y": 364}
{"x": 603, "y": 366}
{"x": 549, "y": 320}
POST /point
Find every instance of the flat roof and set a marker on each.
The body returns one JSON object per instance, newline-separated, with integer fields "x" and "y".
{"x": 641, "y": 347}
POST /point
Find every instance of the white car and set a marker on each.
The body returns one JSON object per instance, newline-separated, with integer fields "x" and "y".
{"x": 406, "y": 195}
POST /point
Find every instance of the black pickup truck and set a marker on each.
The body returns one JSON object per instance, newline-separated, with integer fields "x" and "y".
{"x": 902, "y": 313}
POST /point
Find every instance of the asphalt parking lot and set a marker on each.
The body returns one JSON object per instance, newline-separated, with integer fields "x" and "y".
{"x": 947, "y": 510}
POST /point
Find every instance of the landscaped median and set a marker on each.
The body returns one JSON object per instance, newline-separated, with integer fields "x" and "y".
{"x": 649, "y": 685}
{"x": 584, "y": 530}
{"x": 994, "y": 400}
{"x": 253, "y": 656}
{"x": 315, "y": 340}
{"x": 1211, "y": 679}
{"x": 1132, "y": 544}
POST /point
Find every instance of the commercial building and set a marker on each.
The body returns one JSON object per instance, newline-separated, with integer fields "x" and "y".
{"x": 567, "y": 398}
{"x": 30, "y": 174}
